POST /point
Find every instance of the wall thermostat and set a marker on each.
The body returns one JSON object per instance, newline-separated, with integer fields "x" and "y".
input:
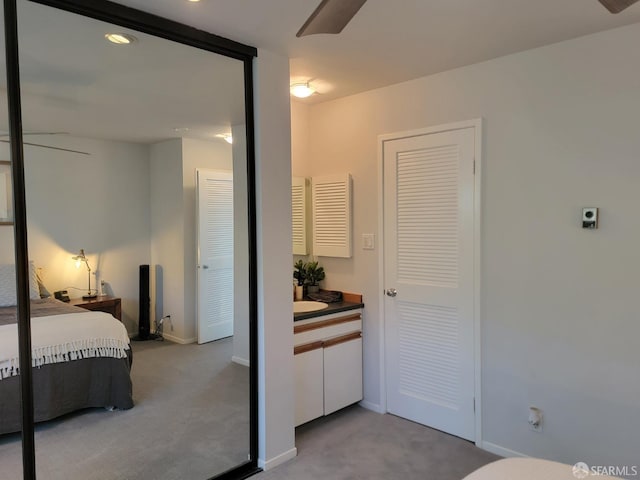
{"x": 590, "y": 217}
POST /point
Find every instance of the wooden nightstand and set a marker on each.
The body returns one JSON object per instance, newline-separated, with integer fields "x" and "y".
{"x": 103, "y": 303}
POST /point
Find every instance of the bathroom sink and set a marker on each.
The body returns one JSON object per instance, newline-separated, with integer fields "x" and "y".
{"x": 306, "y": 306}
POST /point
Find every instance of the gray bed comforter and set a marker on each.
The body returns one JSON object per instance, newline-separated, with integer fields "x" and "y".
{"x": 62, "y": 388}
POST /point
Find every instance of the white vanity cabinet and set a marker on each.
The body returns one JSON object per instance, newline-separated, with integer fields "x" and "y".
{"x": 328, "y": 364}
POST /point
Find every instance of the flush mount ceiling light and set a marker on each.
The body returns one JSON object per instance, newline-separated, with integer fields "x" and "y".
{"x": 302, "y": 90}
{"x": 120, "y": 38}
{"x": 226, "y": 136}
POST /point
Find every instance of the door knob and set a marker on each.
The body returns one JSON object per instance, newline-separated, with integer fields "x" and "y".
{"x": 392, "y": 292}
{"x": 205, "y": 266}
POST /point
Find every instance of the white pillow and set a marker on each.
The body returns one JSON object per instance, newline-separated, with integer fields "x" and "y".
{"x": 8, "y": 285}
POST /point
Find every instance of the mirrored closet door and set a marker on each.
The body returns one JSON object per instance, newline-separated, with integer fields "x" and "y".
{"x": 122, "y": 114}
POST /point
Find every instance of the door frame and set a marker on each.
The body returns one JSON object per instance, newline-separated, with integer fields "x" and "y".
{"x": 476, "y": 124}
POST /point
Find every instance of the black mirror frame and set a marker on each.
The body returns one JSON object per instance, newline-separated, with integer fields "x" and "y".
{"x": 108, "y": 11}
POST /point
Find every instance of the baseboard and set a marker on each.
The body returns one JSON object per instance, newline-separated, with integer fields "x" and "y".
{"x": 181, "y": 341}
{"x": 279, "y": 460}
{"x": 240, "y": 361}
{"x": 374, "y": 407}
{"x": 498, "y": 450}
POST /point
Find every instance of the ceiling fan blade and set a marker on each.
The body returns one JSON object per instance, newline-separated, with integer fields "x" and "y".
{"x": 50, "y": 147}
{"x": 6, "y": 134}
{"x": 331, "y": 16}
{"x": 616, "y": 6}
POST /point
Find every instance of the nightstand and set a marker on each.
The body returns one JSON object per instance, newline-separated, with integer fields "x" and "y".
{"x": 102, "y": 303}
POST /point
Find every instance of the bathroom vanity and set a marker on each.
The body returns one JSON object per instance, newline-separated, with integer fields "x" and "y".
{"x": 328, "y": 359}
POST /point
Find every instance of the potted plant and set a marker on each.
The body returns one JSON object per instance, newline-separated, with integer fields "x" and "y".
{"x": 314, "y": 274}
{"x": 300, "y": 275}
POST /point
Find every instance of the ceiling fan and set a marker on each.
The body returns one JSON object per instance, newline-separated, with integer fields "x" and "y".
{"x": 4, "y": 140}
{"x": 616, "y": 6}
{"x": 331, "y": 16}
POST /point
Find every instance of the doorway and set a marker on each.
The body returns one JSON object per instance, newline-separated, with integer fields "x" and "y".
{"x": 215, "y": 251}
{"x": 430, "y": 308}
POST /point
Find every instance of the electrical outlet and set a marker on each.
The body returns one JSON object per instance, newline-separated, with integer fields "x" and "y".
{"x": 535, "y": 419}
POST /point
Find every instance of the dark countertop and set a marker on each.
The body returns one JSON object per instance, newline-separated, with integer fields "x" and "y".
{"x": 332, "y": 308}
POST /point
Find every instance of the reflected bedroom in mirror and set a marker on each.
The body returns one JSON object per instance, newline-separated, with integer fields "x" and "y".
{"x": 138, "y": 236}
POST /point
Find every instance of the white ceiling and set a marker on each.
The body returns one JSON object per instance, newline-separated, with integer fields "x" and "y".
{"x": 73, "y": 81}
{"x": 390, "y": 41}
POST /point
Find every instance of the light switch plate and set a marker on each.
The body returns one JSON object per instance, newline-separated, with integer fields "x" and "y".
{"x": 368, "y": 241}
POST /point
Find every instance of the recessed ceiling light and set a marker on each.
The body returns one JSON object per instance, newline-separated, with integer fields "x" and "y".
{"x": 302, "y": 90}
{"x": 181, "y": 129}
{"x": 193, "y": 1}
{"x": 226, "y": 136}
{"x": 120, "y": 38}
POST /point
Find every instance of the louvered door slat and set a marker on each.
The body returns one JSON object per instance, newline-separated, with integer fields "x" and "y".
{"x": 416, "y": 215}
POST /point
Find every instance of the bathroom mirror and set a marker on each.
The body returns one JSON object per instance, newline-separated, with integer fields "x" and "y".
{"x": 114, "y": 134}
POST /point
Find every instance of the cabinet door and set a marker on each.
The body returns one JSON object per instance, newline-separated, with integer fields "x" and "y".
{"x": 342, "y": 372}
{"x": 308, "y": 382}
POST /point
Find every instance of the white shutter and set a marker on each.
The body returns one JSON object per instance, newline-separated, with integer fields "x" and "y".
{"x": 332, "y": 216}
{"x": 299, "y": 206}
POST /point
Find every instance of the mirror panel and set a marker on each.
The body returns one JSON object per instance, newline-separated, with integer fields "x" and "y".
{"x": 9, "y": 380}
{"x": 114, "y": 136}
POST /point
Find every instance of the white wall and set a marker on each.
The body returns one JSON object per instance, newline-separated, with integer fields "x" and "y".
{"x": 97, "y": 202}
{"x": 167, "y": 234}
{"x": 275, "y": 312}
{"x": 559, "y": 317}
{"x": 300, "y": 140}
{"x": 241, "y": 326}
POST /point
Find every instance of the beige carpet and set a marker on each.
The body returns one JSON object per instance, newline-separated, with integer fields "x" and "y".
{"x": 190, "y": 421}
{"x": 358, "y": 444}
{"x": 173, "y": 433}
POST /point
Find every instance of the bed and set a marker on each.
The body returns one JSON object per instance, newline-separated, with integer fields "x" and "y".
{"x": 533, "y": 469}
{"x": 81, "y": 359}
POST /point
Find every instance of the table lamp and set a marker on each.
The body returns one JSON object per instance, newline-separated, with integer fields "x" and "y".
{"x": 79, "y": 259}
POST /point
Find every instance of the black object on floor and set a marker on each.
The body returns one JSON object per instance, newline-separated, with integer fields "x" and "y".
{"x": 144, "y": 317}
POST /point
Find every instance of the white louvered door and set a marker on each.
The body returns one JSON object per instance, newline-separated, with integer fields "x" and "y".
{"x": 215, "y": 255}
{"x": 428, "y": 251}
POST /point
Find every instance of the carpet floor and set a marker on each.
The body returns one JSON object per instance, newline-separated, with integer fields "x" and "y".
{"x": 358, "y": 444}
{"x": 173, "y": 433}
{"x": 190, "y": 421}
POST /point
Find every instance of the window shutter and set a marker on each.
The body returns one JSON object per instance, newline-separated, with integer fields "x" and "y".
{"x": 299, "y": 215}
{"x": 332, "y": 216}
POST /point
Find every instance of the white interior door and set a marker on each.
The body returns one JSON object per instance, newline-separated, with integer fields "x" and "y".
{"x": 215, "y": 254}
{"x": 429, "y": 275}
